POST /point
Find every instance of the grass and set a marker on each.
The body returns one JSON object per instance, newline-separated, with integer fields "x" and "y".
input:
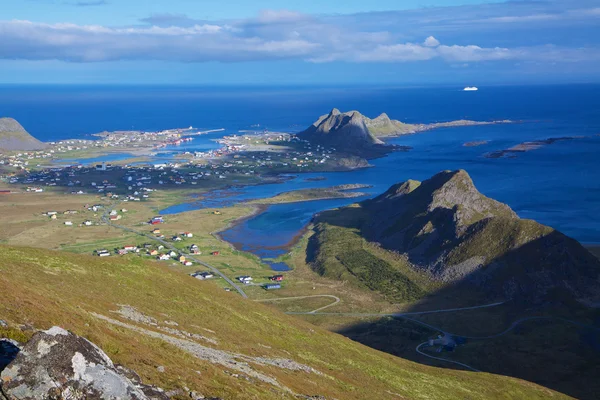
{"x": 334, "y": 192}
{"x": 58, "y": 288}
{"x": 340, "y": 253}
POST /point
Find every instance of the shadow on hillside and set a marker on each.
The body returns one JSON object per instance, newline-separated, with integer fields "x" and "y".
{"x": 537, "y": 279}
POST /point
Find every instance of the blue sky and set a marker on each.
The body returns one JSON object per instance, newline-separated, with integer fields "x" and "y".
{"x": 299, "y": 42}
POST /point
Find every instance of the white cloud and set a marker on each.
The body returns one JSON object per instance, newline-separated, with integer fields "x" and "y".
{"x": 431, "y": 42}
{"x": 474, "y": 53}
{"x": 270, "y": 36}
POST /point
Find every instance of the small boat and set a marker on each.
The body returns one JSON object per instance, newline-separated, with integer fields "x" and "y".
{"x": 470, "y": 89}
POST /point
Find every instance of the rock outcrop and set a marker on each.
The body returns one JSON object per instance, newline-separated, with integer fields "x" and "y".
{"x": 57, "y": 364}
{"x": 13, "y": 137}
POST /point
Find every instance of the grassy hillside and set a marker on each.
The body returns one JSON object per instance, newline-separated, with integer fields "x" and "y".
{"x": 14, "y": 137}
{"x": 145, "y": 315}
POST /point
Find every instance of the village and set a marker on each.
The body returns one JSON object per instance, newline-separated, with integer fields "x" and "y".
{"x": 247, "y": 159}
{"x": 120, "y": 141}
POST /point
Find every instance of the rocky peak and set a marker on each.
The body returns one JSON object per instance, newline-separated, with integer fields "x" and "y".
{"x": 347, "y": 131}
{"x": 456, "y": 190}
{"x": 57, "y": 364}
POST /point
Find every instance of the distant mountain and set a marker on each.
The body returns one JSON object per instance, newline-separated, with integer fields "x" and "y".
{"x": 343, "y": 131}
{"x": 14, "y": 137}
{"x": 446, "y": 230}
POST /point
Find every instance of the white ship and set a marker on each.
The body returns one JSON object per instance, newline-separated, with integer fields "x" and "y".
{"x": 470, "y": 89}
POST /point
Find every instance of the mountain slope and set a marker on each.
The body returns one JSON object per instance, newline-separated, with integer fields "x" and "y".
{"x": 449, "y": 232}
{"x": 13, "y": 137}
{"x": 176, "y": 332}
{"x": 343, "y": 131}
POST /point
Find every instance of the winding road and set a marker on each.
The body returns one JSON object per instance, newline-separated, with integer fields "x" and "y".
{"x": 407, "y": 315}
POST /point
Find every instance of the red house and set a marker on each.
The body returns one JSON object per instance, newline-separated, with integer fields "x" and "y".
{"x": 216, "y": 253}
{"x": 277, "y": 278}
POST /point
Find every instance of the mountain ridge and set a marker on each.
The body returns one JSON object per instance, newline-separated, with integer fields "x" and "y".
{"x": 344, "y": 131}
{"x": 449, "y": 231}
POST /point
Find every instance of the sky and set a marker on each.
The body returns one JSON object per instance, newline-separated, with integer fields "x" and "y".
{"x": 266, "y": 42}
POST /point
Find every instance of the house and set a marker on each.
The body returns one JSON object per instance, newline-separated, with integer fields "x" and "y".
{"x": 68, "y": 223}
{"x": 122, "y": 252}
{"x": 203, "y": 275}
{"x": 153, "y": 252}
{"x": 88, "y": 223}
{"x": 53, "y": 216}
{"x": 102, "y": 253}
{"x": 188, "y": 263}
{"x": 172, "y": 254}
{"x": 130, "y": 248}
{"x": 245, "y": 279}
{"x": 182, "y": 259}
{"x": 164, "y": 257}
{"x": 272, "y": 286}
{"x": 188, "y": 234}
{"x": 156, "y": 231}
{"x": 276, "y": 278}
{"x": 216, "y": 253}
{"x": 115, "y": 217}
{"x": 217, "y": 212}
{"x": 157, "y": 220}
{"x": 177, "y": 239}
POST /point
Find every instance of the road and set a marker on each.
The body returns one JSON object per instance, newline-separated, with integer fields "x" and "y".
{"x": 504, "y": 332}
{"x": 336, "y": 300}
{"x": 418, "y": 348}
{"x": 397, "y": 314}
{"x": 168, "y": 245}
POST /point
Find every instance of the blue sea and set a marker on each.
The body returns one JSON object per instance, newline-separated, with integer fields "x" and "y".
{"x": 557, "y": 185}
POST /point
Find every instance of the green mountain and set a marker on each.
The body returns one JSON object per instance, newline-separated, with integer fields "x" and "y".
{"x": 185, "y": 336}
{"x": 384, "y": 126}
{"x": 447, "y": 233}
{"x": 13, "y": 137}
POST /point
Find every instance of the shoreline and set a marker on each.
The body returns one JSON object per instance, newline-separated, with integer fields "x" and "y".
{"x": 257, "y": 210}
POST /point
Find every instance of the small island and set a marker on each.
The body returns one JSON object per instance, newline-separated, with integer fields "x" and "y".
{"x": 476, "y": 143}
{"x": 528, "y": 146}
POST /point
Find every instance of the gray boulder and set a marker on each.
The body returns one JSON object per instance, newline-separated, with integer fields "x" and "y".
{"x": 57, "y": 364}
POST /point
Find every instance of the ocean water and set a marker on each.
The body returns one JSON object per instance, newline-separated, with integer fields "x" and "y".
{"x": 557, "y": 185}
